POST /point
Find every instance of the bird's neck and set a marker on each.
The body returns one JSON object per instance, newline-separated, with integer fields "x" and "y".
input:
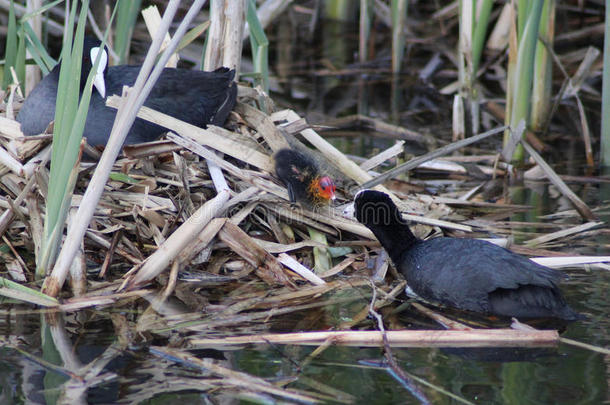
{"x": 55, "y": 71}
{"x": 84, "y": 73}
{"x": 395, "y": 238}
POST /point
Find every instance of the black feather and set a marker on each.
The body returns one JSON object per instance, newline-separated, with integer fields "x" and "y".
{"x": 197, "y": 97}
{"x": 297, "y": 171}
{"x": 467, "y": 274}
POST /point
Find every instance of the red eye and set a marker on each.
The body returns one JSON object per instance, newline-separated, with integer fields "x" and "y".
{"x": 326, "y": 183}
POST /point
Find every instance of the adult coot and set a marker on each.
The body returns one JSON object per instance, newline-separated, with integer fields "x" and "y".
{"x": 197, "y": 97}
{"x": 467, "y": 274}
{"x": 303, "y": 178}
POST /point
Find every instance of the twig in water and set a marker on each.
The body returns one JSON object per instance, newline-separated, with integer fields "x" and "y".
{"x": 394, "y": 369}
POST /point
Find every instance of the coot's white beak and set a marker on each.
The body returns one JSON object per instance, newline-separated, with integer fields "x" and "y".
{"x": 98, "y": 80}
{"x": 348, "y": 211}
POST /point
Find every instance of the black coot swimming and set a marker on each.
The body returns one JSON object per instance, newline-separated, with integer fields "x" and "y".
{"x": 199, "y": 98}
{"x": 303, "y": 178}
{"x": 468, "y": 274}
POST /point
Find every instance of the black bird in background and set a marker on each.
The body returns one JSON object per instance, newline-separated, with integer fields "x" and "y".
{"x": 197, "y": 97}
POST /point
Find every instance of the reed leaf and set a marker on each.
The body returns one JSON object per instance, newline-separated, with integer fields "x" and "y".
{"x": 524, "y": 71}
{"x": 70, "y": 117}
{"x": 523, "y": 10}
{"x": 513, "y": 47}
{"x": 340, "y": 10}
{"x": 20, "y": 58}
{"x": 365, "y": 29}
{"x": 473, "y": 30}
{"x": 192, "y": 34}
{"x": 38, "y": 52}
{"x": 41, "y": 10}
{"x": 322, "y": 258}
{"x": 259, "y": 44}
{"x": 543, "y": 77}
{"x": 65, "y": 107}
{"x": 399, "y": 22}
{"x": 479, "y": 35}
{"x": 605, "y": 135}
{"x": 10, "y": 52}
{"x": 466, "y": 21}
{"x": 127, "y": 15}
{"x": 15, "y": 290}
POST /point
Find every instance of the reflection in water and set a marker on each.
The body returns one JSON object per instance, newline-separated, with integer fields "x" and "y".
{"x": 113, "y": 373}
{"x": 499, "y": 354}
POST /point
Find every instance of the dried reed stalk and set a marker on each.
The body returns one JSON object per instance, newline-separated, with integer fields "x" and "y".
{"x": 202, "y": 136}
{"x": 399, "y": 338}
{"x": 267, "y": 266}
{"x": 187, "y": 232}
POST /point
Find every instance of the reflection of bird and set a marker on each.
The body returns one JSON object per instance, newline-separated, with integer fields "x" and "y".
{"x": 468, "y": 274}
{"x": 199, "y": 98}
{"x": 302, "y": 177}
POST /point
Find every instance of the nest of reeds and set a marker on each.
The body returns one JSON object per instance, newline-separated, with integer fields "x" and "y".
{"x": 258, "y": 236}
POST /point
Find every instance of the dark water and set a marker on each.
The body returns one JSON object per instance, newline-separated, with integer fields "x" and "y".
{"x": 565, "y": 374}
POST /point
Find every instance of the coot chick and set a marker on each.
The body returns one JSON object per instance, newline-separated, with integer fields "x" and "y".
{"x": 467, "y": 274}
{"x": 197, "y": 97}
{"x": 303, "y": 178}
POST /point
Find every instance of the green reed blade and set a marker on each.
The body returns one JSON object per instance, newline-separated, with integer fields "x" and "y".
{"x": 522, "y": 83}
{"x": 259, "y": 44}
{"x": 127, "y": 15}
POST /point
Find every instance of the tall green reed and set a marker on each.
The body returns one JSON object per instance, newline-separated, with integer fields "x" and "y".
{"x": 399, "y": 23}
{"x": 70, "y": 115}
{"x": 605, "y": 134}
{"x": 543, "y": 69}
{"x": 11, "y": 50}
{"x": 474, "y": 20}
{"x": 259, "y": 44}
{"x": 127, "y": 14}
{"x": 521, "y": 82}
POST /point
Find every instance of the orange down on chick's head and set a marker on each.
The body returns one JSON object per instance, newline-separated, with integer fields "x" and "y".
{"x": 322, "y": 189}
